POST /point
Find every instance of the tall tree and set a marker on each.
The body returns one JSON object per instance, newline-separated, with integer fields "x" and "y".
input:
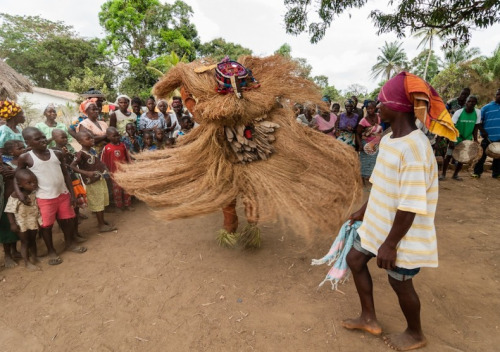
{"x": 454, "y": 18}
{"x": 425, "y": 64}
{"x": 218, "y": 48}
{"x": 139, "y": 31}
{"x": 391, "y": 60}
{"x": 20, "y": 33}
{"x": 49, "y": 52}
{"x": 428, "y": 36}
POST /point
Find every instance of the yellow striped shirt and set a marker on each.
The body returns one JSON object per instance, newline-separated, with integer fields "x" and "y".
{"x": 405, "y": 178}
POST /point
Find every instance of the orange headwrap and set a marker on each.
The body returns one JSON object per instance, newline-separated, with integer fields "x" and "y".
{"x": 9, "y": 109}
{"x": 85, "y": 103}
{"x": 407, "y": 92}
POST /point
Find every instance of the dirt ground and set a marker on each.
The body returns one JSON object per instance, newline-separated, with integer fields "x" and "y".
{"x": 157, "y": 286}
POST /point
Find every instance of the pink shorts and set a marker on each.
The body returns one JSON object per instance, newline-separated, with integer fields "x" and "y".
{"x": 57, "y": 208}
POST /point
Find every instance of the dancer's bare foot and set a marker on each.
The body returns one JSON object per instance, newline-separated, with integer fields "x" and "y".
{"x": 9, "y": 262}
{"x": 405, "y": 341}
{"x": 32, "y": 267}
{"x": 370, "y": 326}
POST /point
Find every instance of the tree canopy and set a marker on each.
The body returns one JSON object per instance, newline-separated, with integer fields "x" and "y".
{"x": 453, "y": 18}
{"x": 218, "y": 48}
{"x": 391, "y": 60}
{"x": 139, "y": 31}
{"x": 49, "y": 52}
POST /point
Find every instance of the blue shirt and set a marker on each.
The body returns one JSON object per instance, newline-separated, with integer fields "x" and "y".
{"x": 490, "y": 118}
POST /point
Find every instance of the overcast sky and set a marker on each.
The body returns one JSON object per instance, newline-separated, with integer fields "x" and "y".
{"x": 345, "y": 55}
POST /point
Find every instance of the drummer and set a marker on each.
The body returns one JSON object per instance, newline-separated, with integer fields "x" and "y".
{"x": 466, "y": 120}
{"x": 490, "y": 131}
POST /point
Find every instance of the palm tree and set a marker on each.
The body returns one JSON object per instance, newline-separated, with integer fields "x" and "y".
{"x": 392, "y": 60}
{"x": 427, "y": 35}
{"x": 460, "y": 54}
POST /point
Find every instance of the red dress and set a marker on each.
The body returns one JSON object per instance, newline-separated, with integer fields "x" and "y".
{"x": 113, "y": 154}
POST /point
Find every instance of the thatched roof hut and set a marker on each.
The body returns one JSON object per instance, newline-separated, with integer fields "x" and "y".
{"x": 12, "y": 82}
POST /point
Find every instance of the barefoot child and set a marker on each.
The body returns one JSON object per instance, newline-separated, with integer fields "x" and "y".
{"x": 398, "y": 219}
{"x": 92, "y": 169}
{"x": 113, "y": 153}
{"x": 60, "y": 139}
{"x": 25, "y": 217}
{"x": 54, "y": 194}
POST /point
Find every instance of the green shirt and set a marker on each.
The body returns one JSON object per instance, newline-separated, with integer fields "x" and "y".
{"x": 6, "y": 134}
{"x": 47, "y": 131}
{"x": 465, "y": 125}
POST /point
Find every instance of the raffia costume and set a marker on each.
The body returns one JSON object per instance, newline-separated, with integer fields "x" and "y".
{"x": 248, "y": 144}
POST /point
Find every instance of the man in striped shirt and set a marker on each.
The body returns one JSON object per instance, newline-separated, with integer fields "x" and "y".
{"x": 398, "y": 219}
{"x": 490, "y": 130}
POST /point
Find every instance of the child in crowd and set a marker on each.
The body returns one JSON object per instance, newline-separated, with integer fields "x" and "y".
{"x": 132, "y": 140}
{"x": 7, "y": 237}
{"x": 114, "y": 153}
{"x": 160, "y": 139}
{"x": 54, "y": 193}
{"x": 13, "y": 149}
{"x": 148, "y": 139}
{"x": 60, "y": 139}
{"x": 186, "y": 126}
{"x": 92, "y": 169}
{"x": 136, "y": 105}
{"x": 25, "y": 217}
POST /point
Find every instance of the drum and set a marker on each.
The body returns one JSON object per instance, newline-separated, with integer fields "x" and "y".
{"x": 493, "y": 150}
{"x": 467, "y": 152}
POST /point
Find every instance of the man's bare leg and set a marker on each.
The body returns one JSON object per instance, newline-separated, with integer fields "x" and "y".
{"x": 413, "y": 337}
{"x": 46, "y": 232}
{"x": 367, "y": 321}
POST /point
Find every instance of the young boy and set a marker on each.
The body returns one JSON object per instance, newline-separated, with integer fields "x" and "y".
{"x": 398, "y": 219}
{"x": 113, "y": 153}
{"x": 25, "y": 217}
{"x": 92, "y": 169}
{"x": 54, "y": 193}
{"x": 148, "y": 139}
{"x": 186, "y": 126}
{"x": 60, "y": 139}
{"x": 132, "y": 140}
{"x": 160, "y": 139}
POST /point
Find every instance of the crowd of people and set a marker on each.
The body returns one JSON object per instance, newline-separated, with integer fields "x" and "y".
{"x": 43, "y": 179}
{"x": 362, "y": 128}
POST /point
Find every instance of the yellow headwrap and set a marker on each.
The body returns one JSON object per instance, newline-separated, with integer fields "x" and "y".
{"x": 9, "y": 109}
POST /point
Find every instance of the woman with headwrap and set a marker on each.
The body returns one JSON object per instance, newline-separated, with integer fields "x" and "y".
{"x": 368, "y": 134}
{"x": 119, "y": 118}
{"x": 94, "y": 126}
{"x": 51, "y": 124}
{"x": 13, "y": 115}
{"x": 345, "y": 126}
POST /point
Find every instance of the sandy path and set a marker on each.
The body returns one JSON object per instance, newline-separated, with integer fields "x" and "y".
{"x": 155, "y": 286}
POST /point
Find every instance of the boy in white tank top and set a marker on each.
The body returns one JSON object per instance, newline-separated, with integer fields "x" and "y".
{"x": 55, "y": 192}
